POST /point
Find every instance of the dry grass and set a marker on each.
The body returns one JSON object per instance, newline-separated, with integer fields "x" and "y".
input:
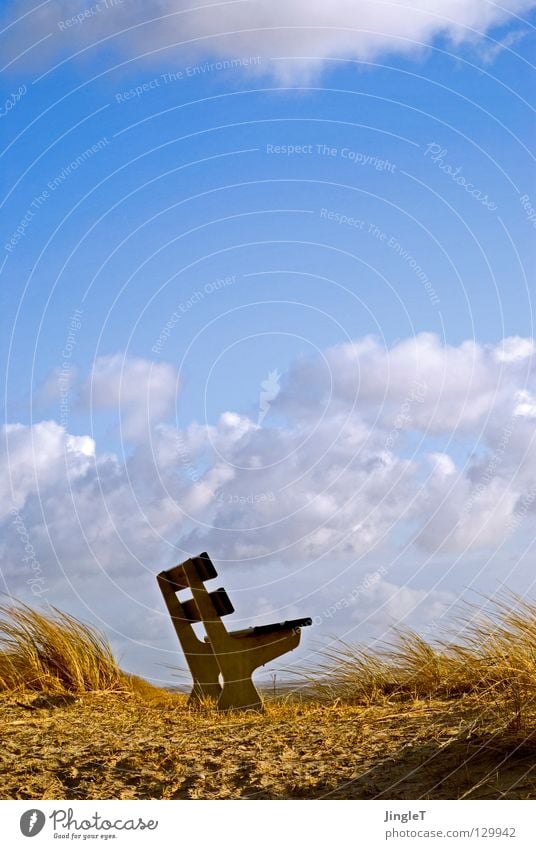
{"x": 54, "y": 653}
{"x": 455, "y": 719}
{"x": 492, "y": 658}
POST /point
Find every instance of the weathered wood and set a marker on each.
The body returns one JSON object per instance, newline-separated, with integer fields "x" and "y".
{"x": 230, "y": 657}
{"x": 199, "y": 656}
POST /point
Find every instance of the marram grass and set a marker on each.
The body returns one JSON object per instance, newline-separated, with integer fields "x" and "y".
{"x": 54, "y": 653}
{"x": 490, "y": 657}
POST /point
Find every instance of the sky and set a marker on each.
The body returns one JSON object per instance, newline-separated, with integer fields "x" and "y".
{"x": 266, "y": 290}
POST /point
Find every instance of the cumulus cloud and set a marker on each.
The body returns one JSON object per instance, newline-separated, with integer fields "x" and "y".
{"x": 526, "y": 404}
{"x": 38, "y": 456}
{"x": 140, "y": 391}
{"x": 514, "y": 349}
{"x": 447, "y": 387}
{"x": 305, "y": 32}
{"x": 351, "y": 465}
{"x": 346, "y": 473}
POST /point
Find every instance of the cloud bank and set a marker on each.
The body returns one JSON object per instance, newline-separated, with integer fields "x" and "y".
{"x": 364, "y": 453}
{"x": 426, "y": 439}
{"x": 307, "y": 33}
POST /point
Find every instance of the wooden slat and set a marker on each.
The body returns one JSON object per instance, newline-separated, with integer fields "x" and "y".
{"x": 222, "y": 602}
{"x": 204, "y": 567}
{"x": 177, "y": 578}
{"x": 190, "y": 611}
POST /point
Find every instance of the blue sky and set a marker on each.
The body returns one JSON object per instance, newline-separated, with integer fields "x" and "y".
{"x": 342, "y": 212}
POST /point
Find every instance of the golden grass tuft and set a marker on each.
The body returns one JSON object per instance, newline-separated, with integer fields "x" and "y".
{"x": 54, "y": 653}
{"x": 492, "y": 658}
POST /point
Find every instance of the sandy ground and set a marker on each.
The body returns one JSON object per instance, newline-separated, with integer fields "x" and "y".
{"x": 104, "y": 746}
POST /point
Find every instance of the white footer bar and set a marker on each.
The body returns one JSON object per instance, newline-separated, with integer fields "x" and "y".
{"x": 261, "y": 824}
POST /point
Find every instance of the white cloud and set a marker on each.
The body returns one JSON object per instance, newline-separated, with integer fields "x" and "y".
{"x": 37, "y": 457}
{"x": 515, "y": 348}
{"x": 140, "y": 391}
{"x": 340, "y": 478}
{"x": 362, "y": 29}
{"x": 389, "y": 604}
{"x": 490, "y": 51}
{"x": 419, "y": 383}
{"x": 442, "y": 464}
{"x": 526, "y": 405}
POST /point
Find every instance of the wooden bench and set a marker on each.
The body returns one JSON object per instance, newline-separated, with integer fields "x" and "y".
{"x": 223, "y": 663}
